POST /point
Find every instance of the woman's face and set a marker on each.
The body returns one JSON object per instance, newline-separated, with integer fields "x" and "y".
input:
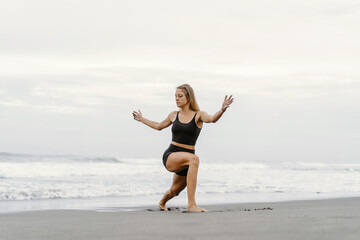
{"x": 180, "y": 98}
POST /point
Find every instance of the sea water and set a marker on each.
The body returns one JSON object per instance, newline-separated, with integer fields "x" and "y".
{"x": 53, "y": 182}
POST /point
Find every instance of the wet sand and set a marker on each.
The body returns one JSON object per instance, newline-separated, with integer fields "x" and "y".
{"x": 316, "y": 219}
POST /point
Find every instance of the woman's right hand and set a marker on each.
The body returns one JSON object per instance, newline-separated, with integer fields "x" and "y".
{"x": 137, "y": 115}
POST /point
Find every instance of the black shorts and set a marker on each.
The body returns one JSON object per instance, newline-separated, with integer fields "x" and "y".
{"x": 173, "y": 148}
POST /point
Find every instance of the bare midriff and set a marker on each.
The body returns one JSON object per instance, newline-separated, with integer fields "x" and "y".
{"x": 183, "y": 145}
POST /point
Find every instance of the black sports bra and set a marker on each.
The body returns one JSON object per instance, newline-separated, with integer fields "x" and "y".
{"x": 185, "y": 133}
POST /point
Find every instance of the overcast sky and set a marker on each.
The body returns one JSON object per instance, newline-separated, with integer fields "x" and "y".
{"x": 71, "y": 72}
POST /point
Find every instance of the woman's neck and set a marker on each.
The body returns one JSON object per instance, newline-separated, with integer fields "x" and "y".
{"x": 186, "y": 110}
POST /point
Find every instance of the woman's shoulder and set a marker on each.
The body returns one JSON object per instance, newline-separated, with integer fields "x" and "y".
{"x": 200, "y": 113}
{"x": 172, "y": 116}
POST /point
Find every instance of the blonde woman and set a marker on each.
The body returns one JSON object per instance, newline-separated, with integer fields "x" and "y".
{"x": 180, "y": 157}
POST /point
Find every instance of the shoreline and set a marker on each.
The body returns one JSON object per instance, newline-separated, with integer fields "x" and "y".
{"x": 134, "y": 203}
{"x": 306, "y": 219}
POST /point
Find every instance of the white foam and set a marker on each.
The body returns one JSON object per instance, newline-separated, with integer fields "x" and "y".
{"x": 24, "y": 178}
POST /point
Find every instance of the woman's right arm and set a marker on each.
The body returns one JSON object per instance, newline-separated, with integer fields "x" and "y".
{"x": 155, "y": 125}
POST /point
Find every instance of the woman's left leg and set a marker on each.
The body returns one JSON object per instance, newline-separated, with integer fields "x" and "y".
{"x": 178, "y": 184}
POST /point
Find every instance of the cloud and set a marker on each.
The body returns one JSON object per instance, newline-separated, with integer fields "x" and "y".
{"x": 292, "y": 66}
{"x": 47, "y": 108}
{"x": 171, "y": 33}
{"x": 91, "y": 89}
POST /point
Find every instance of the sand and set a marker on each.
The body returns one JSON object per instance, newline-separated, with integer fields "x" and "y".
{"x": 317, "y": 219}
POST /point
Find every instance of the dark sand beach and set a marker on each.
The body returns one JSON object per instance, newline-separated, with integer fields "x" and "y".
{"x": 315, "y": 219}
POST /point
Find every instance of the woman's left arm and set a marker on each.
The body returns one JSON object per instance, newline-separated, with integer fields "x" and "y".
{"x": 206, "y": 118}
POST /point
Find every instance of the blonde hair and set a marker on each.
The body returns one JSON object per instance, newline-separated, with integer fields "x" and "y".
{"x": 190, "y": 95}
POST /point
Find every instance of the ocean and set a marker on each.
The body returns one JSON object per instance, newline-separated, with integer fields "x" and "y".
{"x": 36, "y": 182}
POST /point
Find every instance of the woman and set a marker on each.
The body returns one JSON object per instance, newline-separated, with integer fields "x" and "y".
{"x": 180, "y": 157}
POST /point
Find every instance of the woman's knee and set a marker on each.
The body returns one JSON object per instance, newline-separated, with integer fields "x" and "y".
{"x": 176, "y": 189}
{"x": 174, "y": 193}
{"x": 194, "y": 160}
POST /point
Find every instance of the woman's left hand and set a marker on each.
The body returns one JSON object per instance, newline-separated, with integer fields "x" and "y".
{"x": 227, "y": 102}
{"x": 137, "y": 115}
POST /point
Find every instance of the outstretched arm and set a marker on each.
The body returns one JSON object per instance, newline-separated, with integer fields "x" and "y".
{"x": 206, "y": 118}
{"x": 155, "y": 125}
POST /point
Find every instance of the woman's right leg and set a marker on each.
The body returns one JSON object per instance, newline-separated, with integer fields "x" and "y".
{"x": 180, "y": 160}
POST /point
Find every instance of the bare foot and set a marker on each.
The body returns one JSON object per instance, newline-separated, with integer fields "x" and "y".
{"x": 197, "y": 209}
{"x": 162, "y": 207}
